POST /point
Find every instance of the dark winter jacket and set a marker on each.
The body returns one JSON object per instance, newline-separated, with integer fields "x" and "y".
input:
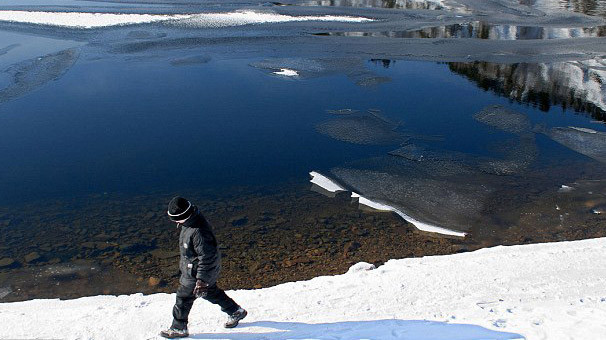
{"x": 200, "y": 257}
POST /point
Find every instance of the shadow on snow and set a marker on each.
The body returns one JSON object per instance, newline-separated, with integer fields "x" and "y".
{"x": 377, "y": 329}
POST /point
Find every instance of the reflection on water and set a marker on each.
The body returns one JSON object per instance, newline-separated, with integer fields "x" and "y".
{"x": 589, "y": 7}
{"x": 572, "y": 85}
{"x": 396, "y": 4}
{"x": 482, "y": 30}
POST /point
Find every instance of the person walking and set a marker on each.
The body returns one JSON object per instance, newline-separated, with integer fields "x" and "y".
{"x": 200, "y": 263}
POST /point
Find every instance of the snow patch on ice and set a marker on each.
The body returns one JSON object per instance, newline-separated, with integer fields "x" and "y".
{"x": 287, "y": 72}
{"x": 85, "y": 20}
{"x": 240, "y": 18}
{"x": 418, "y": 224}
{"x": 325, "y": 182}
{"x": 82, "y": 19}
{"x": 565, "y": 188}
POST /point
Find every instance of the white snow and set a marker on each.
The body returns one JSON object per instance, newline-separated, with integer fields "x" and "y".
{"x": 418, "y": 224}
{"x": 97, "y": 20}
{"x": 239, "y": 18}
{"x": 565, "y": 188}
{"x": 586, "y": 130}
{"x": 325, "y": 182}
{"x": 82, "y": 19}
{"x": 287, "y": 72}
{"x": 361, "y": 266}
{"x": 544, "y": 291}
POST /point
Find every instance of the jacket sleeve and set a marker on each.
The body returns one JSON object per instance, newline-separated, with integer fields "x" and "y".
{"x": 206, "y": 249}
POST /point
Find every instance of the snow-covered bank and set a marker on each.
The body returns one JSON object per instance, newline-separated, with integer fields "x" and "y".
{"x": 544, "y": 291}
{"x": 98, "y": 20}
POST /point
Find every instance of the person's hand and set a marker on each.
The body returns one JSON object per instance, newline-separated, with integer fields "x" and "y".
{"x": 201, "y": 289}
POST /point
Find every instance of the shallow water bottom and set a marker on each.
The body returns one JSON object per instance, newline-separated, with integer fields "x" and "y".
{"x": 119, "y": 244}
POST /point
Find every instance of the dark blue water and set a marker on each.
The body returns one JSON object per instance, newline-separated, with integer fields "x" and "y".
{"x": 137, "y": 126}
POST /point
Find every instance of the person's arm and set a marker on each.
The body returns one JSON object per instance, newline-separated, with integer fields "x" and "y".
{"x": 206, "y": 249}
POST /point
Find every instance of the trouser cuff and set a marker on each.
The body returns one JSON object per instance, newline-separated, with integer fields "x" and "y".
{"x": 232, "y": 309}
{"x": 179, "y": 324}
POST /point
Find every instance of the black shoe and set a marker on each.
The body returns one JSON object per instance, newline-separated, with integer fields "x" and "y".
{"x": 173, "y": 333}
{"x": 235, "y": 317}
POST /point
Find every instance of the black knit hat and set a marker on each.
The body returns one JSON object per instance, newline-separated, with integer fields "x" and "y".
{"x": 179, "y": 209}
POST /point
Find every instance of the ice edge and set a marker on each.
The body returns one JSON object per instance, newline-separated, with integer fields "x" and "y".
{"x": 325, "y": 182}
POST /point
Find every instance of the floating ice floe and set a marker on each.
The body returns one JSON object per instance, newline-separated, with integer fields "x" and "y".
{"x": 34, "y": 73}
{"x": 503, "y": 119}
{"x": 588, "y": 142}
{"x": 363, "y": 129}
{"x": 98, "y": 20}
{"x": 331, "y": 186}
{"x": 287, "y": 72}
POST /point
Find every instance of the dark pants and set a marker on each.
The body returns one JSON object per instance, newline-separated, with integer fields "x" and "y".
{"x": 185, "y": 300}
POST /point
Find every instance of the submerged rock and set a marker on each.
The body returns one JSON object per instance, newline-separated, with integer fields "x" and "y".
{"x": 7, "y": 262}
{"x": 164, "y": 254}
{"x": 239, "y": 221}
{"x": 32, "y": 257}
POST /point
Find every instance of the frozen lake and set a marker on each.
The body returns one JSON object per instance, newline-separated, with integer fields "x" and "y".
{"x": 471, "y": 118}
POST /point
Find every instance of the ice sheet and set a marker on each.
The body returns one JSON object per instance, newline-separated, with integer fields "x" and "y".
{"x": 418, "y": 224}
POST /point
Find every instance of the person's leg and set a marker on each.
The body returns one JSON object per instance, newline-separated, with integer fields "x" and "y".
{"x": 217, "y": 296}
{"x": 185, "y": 300}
